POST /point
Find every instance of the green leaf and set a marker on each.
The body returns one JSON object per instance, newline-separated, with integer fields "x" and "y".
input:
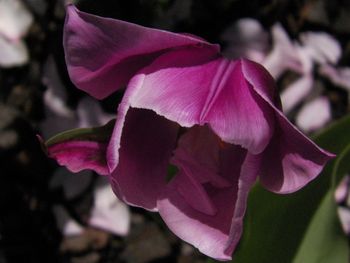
{"x": 336, "y": 137}
{"x": 324, "y": 241}
{"x": 341, "y": 166}
{"x": 276, "y": 226}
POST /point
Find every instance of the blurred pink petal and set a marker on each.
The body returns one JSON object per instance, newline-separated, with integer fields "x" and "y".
{"x": 283, "y": 55}
{"x": 55, "y": 96}
{"x": 342, "y": 192}
{"x": 323, "y": 47}
{"x": 339, "y": 76}
{"x": 314, "y": 114}
{"x": 12, "y": 53}
{"x": 59, "y": 116}
{"x": 296, "y": 92}
{"x": 342, "y": 197}
{"x": 344, "y": 216}
{"x": 108, "y": 212}
{"x": 246, "y": 39}
{"x": 15, "y": 19}
{"x": 305, "y": 59}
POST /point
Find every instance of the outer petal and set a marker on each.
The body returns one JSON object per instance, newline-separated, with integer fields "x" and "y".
{"x": 215, "y": 235}
{"x": 215, "y": 93}
{"x": 234, "y": 111}
{"x": 146, "y": 143}
{"x": 103, "y": 54}
{"x": 291, "y": 160}
{"x": 81, "y": 149}
{"x": 261, "y": 81}
{"x": 80, "y": 155}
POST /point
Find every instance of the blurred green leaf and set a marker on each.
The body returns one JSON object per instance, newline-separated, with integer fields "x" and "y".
{"x": 277, "y": 226}
{"x": 324, "y": 241}
{"x": 336, "y": 137}
{"x": 341, "y": 166}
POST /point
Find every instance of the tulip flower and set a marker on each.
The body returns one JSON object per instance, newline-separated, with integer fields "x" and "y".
{"x": 218, "y": 121}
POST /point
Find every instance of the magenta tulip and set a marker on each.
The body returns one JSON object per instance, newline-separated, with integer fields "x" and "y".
{"x": 218, "y": 121}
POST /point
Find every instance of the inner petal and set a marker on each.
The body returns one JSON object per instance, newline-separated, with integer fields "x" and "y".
{"x": 191, "y": 190}
{"x": 201, "y": 148}
{"x": 198, "y": 158}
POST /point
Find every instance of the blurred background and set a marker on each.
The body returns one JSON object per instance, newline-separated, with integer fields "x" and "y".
{"x": 50, "y": 215}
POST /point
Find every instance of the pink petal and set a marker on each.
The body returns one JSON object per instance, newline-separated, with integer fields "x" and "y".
{"x": 80, "y": 155}
{"x": 214, "y": 235}
{"x": 216, "y": 93}
{"x": 261, "y": 80}
{"x": 81, "y": 149}
{"x": 314, "y": 114}
{"x": 176, "y": 86}
{"x": 103, "y": 54}
{"x": 208, "y": 233}
{"x": 291, "y": 160}
{"x": 191, "y": 190}
{"x": 234, "y": 111}
{"x": 146, "y": 142}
